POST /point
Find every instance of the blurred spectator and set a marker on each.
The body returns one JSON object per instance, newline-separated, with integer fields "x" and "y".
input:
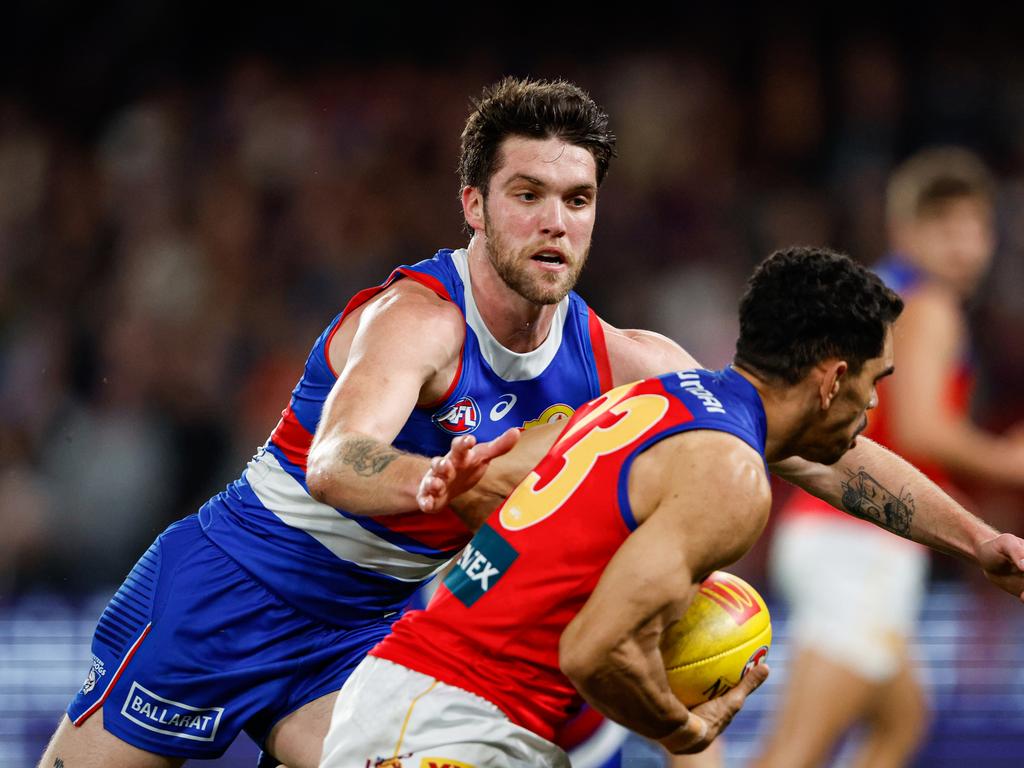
{"x": 854, "y": 590}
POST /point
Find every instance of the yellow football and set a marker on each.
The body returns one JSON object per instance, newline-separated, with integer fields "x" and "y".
{"x": 725, "y": 631}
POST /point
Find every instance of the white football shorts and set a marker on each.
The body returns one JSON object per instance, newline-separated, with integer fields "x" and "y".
{"x": 388, "y": 716}
{"x": 854, "y": 592}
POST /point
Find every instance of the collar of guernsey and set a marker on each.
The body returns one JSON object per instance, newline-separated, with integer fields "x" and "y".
{"x": 509, "y": 365}
{"x": 311, "y": 554}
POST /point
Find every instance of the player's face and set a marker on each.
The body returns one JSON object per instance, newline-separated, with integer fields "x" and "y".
{"x": 955, "y": 244}
{"x": 848, "y": 415}
{"x": 539, "y": 216}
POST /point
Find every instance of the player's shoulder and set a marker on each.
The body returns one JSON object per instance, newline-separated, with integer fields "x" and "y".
{"x": 639, "y": 354}
{"x": 405, "y": 315}
{"x": 715, "y": 461}
{"x": 408, "y": 301}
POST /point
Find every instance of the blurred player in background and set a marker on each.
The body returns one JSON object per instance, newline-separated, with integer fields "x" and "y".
{"x": 566, "y": 589}
{"x": 855, "y": 593}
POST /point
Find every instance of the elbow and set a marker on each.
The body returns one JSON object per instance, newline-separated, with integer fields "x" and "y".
{"x": 577, "y": 667}
{"x": 576, "y": 661}
{"x": 317, "y": 481}
{"x": 320, "y": 477}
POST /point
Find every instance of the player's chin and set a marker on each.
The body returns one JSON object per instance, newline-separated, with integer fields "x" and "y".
{"x": 829, "y": 455}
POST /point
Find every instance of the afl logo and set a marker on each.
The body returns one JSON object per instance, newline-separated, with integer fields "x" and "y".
{"x": 459, "y": 419}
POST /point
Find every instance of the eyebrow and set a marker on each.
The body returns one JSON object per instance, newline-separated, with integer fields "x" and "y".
{"x": 591, "y": 188}
{"x": 887, "y": 372}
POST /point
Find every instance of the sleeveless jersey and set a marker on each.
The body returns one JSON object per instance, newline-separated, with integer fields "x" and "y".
{"x": 345, "y": 569}
{"x": 494, "y": 625}
{"x": 903, "y": 278}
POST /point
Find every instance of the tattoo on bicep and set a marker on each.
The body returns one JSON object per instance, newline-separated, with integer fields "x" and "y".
{"x": 58, "y": 763}
{"x": 863, "y": 496}
{"x": 367, "y": 457}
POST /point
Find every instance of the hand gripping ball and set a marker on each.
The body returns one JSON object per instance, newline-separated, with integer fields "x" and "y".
{"x": 725, "y": 631}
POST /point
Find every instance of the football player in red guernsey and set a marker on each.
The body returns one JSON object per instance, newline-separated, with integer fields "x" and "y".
{"x": 565, "y": 590}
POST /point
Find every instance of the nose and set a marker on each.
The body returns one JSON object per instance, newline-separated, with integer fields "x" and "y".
{"x": 552, "y": 222}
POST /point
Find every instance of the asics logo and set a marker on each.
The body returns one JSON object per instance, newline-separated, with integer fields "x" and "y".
{"x": 503, "y": 406}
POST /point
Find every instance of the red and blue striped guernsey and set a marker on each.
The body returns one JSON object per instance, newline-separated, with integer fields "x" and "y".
{"x": 345, "y": 569}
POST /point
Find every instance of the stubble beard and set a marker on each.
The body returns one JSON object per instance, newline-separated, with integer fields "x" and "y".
{"x": 514, "y": 269}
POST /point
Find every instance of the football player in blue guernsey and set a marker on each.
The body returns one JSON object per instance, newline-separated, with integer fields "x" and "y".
{"x": 251, "y": 614}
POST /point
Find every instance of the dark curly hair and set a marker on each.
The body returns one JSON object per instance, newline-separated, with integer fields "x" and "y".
{"x": 805, "y": 305}
{"x": 537, "y": 109}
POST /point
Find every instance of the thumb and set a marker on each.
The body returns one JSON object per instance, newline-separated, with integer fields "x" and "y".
{"x": 751, "y": 681}
{"x": 754, "y": 678}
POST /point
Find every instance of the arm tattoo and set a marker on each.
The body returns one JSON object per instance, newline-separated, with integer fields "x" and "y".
{"x": 58, "y": 763}
{"x": 367, "y": 457}
{"x": 864, "y": 497}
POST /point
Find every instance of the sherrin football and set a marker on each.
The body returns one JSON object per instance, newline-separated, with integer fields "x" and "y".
{"x": 725, "y": 631}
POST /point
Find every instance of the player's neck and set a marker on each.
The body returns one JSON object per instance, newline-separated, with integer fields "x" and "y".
{"x": 786, "y": 412}
{"x": 516, "y": 323}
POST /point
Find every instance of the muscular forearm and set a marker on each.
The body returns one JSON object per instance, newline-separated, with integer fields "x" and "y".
{"x": 628, "y": 685}
{"x": 363, "y": 475}
{"x": 875, "y": 484}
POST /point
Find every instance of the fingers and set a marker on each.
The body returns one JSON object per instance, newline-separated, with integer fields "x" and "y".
{"x": 754, "y": 679}
{"x": 460, "y": 450}
{"x": 462, "y": 467}
{"x": 500, "y": 445}
{"x": 434, "y": 484}
{"x": 751, "y": 681}
{"x": 718, "y": 713}
{"x": 426, "y": 495}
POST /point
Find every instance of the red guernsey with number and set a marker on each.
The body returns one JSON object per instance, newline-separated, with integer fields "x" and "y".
{"x": 494, "y": 625}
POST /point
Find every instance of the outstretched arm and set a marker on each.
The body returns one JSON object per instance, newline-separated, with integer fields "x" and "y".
{"x": 873, "y": 483}
{"x": 398, "y": 351}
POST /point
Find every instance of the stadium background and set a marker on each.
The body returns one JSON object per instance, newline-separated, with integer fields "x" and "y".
{"x": 187, "y": 197}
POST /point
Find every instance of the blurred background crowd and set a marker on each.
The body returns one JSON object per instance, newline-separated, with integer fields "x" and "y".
{"x": 186, "y": 200}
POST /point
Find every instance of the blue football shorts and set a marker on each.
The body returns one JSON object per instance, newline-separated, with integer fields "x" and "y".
{"x": 191, "y": 650}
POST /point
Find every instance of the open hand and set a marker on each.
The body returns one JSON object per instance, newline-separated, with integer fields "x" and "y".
{"x": 460, "y": 469}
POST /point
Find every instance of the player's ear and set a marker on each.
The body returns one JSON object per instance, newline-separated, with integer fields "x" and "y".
{"x": 832, "y": 374}
{"x": 473, "y": 208}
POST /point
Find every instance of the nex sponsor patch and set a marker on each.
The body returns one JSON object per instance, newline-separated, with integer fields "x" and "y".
{"x": 482, "y": 564}
{"x": 460, "y": 418}
{"x": 172, "y": 718}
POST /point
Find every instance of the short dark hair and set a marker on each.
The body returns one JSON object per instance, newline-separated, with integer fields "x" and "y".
{"x": 538, "y": 109}
{"x": 925, "y": 183}
{"x": 805, "y": 305}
